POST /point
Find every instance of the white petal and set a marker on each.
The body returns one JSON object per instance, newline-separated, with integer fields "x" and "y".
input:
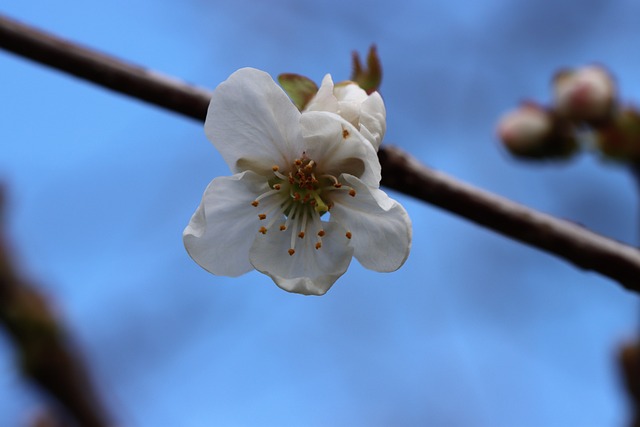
{"x": 380, "y": 226}
{"x": 308, "y": 271}
{"x": 225, "y": 224}
{"x": 337, "y": 152}
{"x": 350, "y": 92}
{"x": 252, "y": 122}
{"x": 324, "y": 100}
{"x": 373, "y": 118}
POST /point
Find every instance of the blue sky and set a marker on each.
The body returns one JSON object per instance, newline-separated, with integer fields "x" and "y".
{"x": 474, "y": 330}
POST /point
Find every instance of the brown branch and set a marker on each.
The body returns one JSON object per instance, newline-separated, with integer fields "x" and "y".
{"x": 629, "y": 359}
{"x": 401, "y": 172}
{"x": 43, "y": 350}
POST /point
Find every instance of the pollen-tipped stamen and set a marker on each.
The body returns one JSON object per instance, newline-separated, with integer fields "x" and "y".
{"x": 264, "y": 195}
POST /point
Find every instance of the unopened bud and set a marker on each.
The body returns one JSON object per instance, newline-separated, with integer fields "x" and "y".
{"x": 531, "y": 131}
{"x": 526, "y": 131}
{"x": 586, "y": 94}
{"x": 620, "y": 138}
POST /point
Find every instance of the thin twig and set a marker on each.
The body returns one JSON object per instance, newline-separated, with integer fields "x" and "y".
{"x": 43, "y": 350}
{"x": 401, "y": 172}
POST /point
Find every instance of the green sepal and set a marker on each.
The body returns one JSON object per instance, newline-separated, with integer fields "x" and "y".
{"x": 299, "y": 88}
{"x": 368, "y": 78}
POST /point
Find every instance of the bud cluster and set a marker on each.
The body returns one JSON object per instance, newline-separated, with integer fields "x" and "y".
{"x": 585, "y": 100}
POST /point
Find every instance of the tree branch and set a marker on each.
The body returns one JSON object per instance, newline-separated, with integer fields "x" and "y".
{"x": 43, "y": 350}
{"x": 400, "y": 171}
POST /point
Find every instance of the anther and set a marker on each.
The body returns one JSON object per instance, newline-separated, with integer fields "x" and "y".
{"x": 263, "y": 230}
{"x": 262, "y": 216}
{"x": 277, "y": 187}
{"x": 283, "y": 227}
{"x": 291, "y": 252}
{"x": 345, "y": 133}
{"x": 321, "y": 233}
{"x": 318, "y": 245}
{"x": 296, "y": 196}
{"x": 275, "y": 168}
{"x": 337, "y": 185}
{"x": 255, "y": 203}
{"x": 301, "y": 235}
{"x": 352, "y": 192}
{"x": 298, "y": 162}
{"x": 348, "y": 235}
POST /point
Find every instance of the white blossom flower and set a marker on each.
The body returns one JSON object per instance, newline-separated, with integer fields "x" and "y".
{"x": 304, "y": 196}
{"x": 351, "y": 102}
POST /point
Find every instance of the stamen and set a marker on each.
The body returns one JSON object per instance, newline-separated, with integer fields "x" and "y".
{"x": 348, "y": 235}
{"x": 309, "y": 166}
{"x": 280, "y": 175}
{"x": 294, "y": 213}
{"x": 303, "y": 226}
{"x": 335, "y": 181}
{"x": 269, "y": 193}
{"x": 291, "y": 214}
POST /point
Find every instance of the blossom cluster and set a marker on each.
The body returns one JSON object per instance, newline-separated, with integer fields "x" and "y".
{"x": 304, "y": 196}
{"x": 585, "y": 103}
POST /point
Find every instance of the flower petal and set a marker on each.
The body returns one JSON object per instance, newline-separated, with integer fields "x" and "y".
{"x": 373, "y": 119}
{"x": 380, "y": 227}
{"x": 224, "y": 226}
{"x": 324, "y": 100}
{"x": 252, "y": 122}
{"x": 308, "y": 271}
{"x": 338, "y": 147}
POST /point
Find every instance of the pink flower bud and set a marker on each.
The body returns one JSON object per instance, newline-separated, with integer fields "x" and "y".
{"x": 533, "y": 132}
{"x": 525, "y": 130}
{"x": 586, "y": 94}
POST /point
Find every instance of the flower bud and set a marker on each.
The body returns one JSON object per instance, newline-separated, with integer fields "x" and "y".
{"x": 620, "y": 138}
{"x": 531, "y": 131}
{"x": 586, "y": 94}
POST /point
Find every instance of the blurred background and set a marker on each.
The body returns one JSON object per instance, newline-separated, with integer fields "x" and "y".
{"x": 474, "y": 330}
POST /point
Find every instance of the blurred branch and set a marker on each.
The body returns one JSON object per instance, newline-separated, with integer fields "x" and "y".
{"x": 401, "y": 172}
{"x": 630, "y": 363}
{"x": 45, "y": 356}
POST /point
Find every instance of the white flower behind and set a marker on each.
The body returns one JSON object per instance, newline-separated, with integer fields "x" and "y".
{"x": 351, "y": 102}
{"x": 303, "y": 198}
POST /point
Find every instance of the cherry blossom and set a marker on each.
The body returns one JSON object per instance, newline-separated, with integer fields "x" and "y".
{"x": 304, "y": 196}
